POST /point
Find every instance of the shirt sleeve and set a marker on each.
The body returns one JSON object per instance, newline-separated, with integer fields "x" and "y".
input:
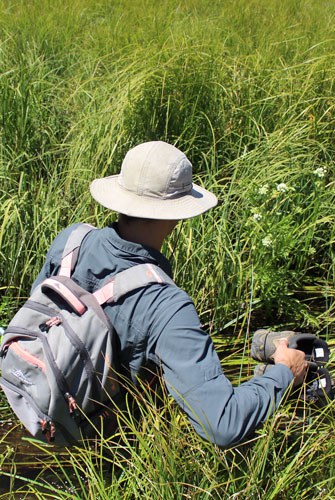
{"x": 193, "y": 375}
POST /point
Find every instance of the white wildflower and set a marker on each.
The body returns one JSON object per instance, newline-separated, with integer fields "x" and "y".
{"x": 257, "y": 217}
{"x": 282, "y": 187}
{"x": 267, "y": 241}
{"x": 264, "y": 189}
{"x": 320, "y": 172}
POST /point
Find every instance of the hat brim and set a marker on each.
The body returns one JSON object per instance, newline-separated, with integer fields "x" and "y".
{"x": 108, "y": 192}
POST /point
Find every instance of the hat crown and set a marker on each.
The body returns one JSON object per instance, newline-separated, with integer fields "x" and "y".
{"x": 156, "y": 169}
{"x": 155, "y": 182}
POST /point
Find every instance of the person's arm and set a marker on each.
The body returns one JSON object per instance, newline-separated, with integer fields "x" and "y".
{"x": 191, "y": 368}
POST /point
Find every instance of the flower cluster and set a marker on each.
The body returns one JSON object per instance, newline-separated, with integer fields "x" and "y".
{"x": 264, "y": 189}
{"x": 282, "y": 187}
{"x": 267, "y": 241}
{"x": 257, "y": 217}
{"x": 320, "y": 172}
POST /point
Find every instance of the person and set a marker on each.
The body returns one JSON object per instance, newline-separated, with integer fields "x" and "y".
{"x": 159, "y": 323}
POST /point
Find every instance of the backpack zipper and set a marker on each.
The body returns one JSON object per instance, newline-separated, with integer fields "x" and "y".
{"x": 59, "y": 377}
{"x": 48, "y": 428}
{"x": 44, "y": 419}
{"x": 48, "y": 311}
{"x": 27, "y": 356}
{"x": 58, "y": 318}
{"x": 86, "y": 359}
{"x": 47, "y": 425}
{"x": 74, "y": 339}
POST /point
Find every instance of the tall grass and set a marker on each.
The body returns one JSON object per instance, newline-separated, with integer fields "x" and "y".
{"x": 159, "y": 456}
{"x": 246, "y": 89}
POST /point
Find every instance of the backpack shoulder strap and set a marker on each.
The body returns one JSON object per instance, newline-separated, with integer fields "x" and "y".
{"x": 135, "y": 277}
{"x": 71, "y": 249}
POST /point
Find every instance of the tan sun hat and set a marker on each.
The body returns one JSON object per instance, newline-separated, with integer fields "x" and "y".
{"x": 155, "y": 182}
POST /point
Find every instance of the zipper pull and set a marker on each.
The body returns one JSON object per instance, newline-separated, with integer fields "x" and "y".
{"x": 52, "y": 432}
{"x": 48, "y": 429}
{"x": 4, "y": 350}
{"x": 44, "y": 426}
{"x": 54, "y": 321}
{"x": 72, "y": 405}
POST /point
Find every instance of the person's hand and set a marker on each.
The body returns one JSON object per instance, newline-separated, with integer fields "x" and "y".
{"x": 293, "y": 358}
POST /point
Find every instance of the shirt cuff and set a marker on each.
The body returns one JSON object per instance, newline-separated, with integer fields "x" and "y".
{"x": 280, "y": 372}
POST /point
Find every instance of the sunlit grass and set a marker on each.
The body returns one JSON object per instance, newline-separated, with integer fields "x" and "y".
{"x": 246, "y": 89}
{"x": 157, "y": 454}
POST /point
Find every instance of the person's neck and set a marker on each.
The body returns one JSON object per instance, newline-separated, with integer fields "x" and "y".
{"x": 149, "y": 233}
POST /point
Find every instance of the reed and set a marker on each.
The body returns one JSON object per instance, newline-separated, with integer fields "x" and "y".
{"x": 246, "y": 89}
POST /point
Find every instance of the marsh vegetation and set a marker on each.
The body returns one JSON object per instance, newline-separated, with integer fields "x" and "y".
{"x": 246, "y": 89}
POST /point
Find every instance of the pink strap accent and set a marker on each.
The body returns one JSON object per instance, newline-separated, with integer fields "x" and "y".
{"x": 128, "y": 280}
{"x": 154, "y": 273}
{"x": 30, "y": 358}
{"x": 66, "y": 294}
{"x": 105, "y": 293}
{"x": 54, "y": 321}
{"x": 65, "y": 267}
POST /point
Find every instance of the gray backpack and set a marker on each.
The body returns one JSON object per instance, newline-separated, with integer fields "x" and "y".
{"x": 58, "y": 357}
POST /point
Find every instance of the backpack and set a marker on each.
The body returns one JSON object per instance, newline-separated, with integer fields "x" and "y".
{"x": 58, "y": 355}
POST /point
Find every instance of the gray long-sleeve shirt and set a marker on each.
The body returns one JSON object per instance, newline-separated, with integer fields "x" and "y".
{"x": 160, "y": 324}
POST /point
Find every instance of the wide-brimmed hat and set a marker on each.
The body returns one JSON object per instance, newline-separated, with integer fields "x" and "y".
{"x": 155, "y": 182}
